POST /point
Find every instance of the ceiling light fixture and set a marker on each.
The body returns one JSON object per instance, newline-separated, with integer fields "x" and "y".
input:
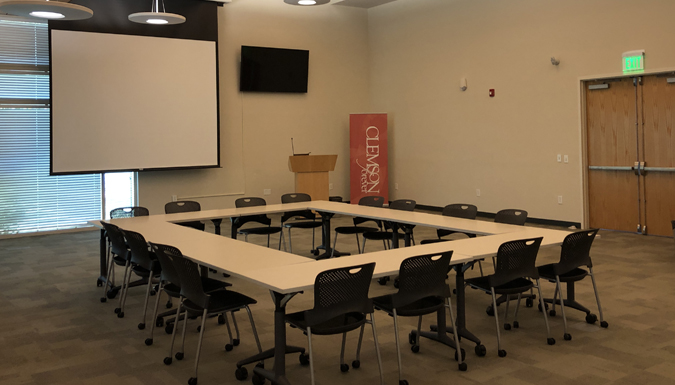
{"x": 306, "y": 2}
{"x": 45, "y": 9}
{"x": 157, "y": 17}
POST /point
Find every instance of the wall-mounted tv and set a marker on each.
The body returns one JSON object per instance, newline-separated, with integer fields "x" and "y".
{"x": 266, "y": 69}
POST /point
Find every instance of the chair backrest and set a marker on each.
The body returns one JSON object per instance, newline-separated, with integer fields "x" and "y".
{"x": 370, "y": 201}
{"x": 516, "y": 259}
{"x": 341, "y": 291}
{"x": 128, "y": 212}
{"x": 169, "y": 273}
{"x": 140, "y": 253}
{"x": 511, "y": 217}
{"x": 403, "y": 205}
{"x": 251, "y": 202}
{"x": 182, "y": 207}
{"x": 117, "y": 244}
{"x": 294, "y": 198}
{"x": 190, "y": 280}
{"x": 421, "y": 277}
{"x": 576, "y": 250}
{"x": 460, "y": 210}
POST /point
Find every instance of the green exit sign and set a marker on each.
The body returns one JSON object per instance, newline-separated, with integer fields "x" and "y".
{"x": 634, "y": 61}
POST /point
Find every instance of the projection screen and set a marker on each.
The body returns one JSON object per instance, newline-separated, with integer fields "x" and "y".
{"x": 126, "y": 102}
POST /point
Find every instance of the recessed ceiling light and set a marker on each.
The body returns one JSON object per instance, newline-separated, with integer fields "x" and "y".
{"x": 45, "y": 9}
{"x": 306, "y": 2}
{"x": 155, "y": 17}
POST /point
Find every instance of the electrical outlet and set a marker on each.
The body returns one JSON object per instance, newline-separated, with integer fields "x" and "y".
{"x": 559, "y": 158}
{"x": 174, "y": 198}
{"x": 566, "y": 159}
{"x": 330, "y": 186}
{"x": 395, "y": 186}
{"x": 267, "y": 191}
{"x": 559, "y": 199}
{"x": 477, "y": 192}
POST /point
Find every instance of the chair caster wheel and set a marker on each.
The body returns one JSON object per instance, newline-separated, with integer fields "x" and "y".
{"x": 148, "y": 341}
{"x": 552, "y": 313}
{"x": 415, "y": 348}
{"x": 344, "y": 368}
{"x": 516, "y": 325}
{"x": 501, "y": 353}
{"x": 152, "y": 292}
{"x": 529, "y": 302}
{"x": 490, "y": 311}
{"x": 567, "y": 337}
{"x": 192, "y": 381}
{"x": 356, "y": 364}
{"x": 403, "y": 382}
{"x": 507, "y": 326}
{"x": 179, "y": 356}
{"x": 141, "y": 326}
{"x": 236, "y": 342}
{"x": 199, "y": 328}
{"x": 545, "y": 306}
{"x": 463, "y": 355}
{"x": 169, "y": 329}
{"x": 167, "y": 360}
{"x": 604, "y": 324}
{"x": 120, "y": 314}
{"x": 480, "y": 350}
{"x": 241, "y": 373}
{"x": 169, "y": 305}
{"x": 159, "y": 322}
{"x": 229, "y": 347}
{"x": 412, "y": 337}
{"x": 454, "y": 291}
{"x": 99, "y": 283}
{"x": 104, "y": 299}
{"x": 591, "y": 318}
{"x": 463, "y": 367}
{"x": 117, "y": 311}
{"x": 304, "y": 359}
{"x": 383, "y": 281}
{"x": 550, "y": 341}
{"x": 221, "y": 319}
{"x": 258, "y": 380}
{"x": 396, "y": 283}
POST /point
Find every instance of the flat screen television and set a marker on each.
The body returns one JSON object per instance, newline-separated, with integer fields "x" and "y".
{"x": 273, "y": 69}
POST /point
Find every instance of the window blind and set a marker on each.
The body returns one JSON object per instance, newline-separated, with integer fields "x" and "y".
{"x": 30, "y": 199}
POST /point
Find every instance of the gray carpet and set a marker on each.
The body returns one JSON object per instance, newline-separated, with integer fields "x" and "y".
{"x": 54, "y": 330}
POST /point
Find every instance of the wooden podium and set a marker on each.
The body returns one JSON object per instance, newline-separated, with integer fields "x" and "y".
{"x": 311, "y": 174}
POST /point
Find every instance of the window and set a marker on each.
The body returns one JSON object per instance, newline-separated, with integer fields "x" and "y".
{"x": 30, "y": 199}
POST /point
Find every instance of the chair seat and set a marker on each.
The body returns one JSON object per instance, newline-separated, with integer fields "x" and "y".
{"x": 548, "y": 272}
{"x": 518, "y": 285}
{"x": 355, "y": 229}
{"x": 428, "y": 241}
{"x": 340, "y": 324}
{"x": 423, "y": 306}
{"x": 143, "y": 272}
{"x": 119, "y": 261}
{"x": 260, "y": 230}
{"x": 303, "y": 224}
{"x": 222, "y": 301}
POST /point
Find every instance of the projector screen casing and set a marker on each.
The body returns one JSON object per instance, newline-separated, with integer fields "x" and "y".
{"x": 114, "y": 80}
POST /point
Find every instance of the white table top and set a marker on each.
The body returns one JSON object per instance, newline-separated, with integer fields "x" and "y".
{"x": 287, "y": 273}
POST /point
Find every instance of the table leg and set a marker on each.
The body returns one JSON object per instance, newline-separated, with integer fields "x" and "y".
{"x": 233, "y": 229}
{"x": 216, "y": 223}
{"x": 325, "y": 236}
{"x": 103, "y": 268}
{"x": 278, "y": 375}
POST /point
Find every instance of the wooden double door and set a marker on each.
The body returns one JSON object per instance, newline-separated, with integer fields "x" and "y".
{"x": 631, "y": 153}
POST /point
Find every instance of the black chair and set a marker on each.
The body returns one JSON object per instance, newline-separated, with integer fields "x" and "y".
{"x": 357, "y": 229}
{"x": 185, "y": 207}
{"x": 263, "y": 219}
{"x": 511, "y": 217}
{"x": 195, "y": 301}
{"x": 308, "y": 219}
{"x": 340, "y": 305}
{"x": 144, "y": 264}
{"x": 109, "y": 288}
{"x": 169, "y": 283}
{"x": 455, "y": 210}
{"x": 574, "y": 254}
{"x": 514, "y": 271}
{"x": 119, "y": 255}
{"x": 387, "y": 234}
{"x": 422, "y": 290}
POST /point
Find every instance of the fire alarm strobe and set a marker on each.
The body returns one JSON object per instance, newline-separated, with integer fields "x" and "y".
{"x": 492, "y": 93}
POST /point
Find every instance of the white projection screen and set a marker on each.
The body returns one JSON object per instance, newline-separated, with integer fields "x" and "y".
{"x": 126, "y": 102}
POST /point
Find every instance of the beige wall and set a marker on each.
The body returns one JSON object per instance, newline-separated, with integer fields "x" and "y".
{"x": 444, "y": 143}
{"x": 256, "y": 128}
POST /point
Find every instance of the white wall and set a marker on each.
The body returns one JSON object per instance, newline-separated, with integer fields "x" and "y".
{"x": 256, "y": 128}
{"x": 444, "y": 143}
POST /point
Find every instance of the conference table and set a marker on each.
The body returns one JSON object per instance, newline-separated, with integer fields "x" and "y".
{"x": 286, "y": 275}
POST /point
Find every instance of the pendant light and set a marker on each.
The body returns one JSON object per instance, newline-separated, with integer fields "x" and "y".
{"x": 157, "y": 17}
{"x": 306, "y": 2}
{"x": 45, "y": 9}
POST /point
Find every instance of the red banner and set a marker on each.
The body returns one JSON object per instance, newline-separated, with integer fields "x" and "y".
{"x": 368, "y": 163}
